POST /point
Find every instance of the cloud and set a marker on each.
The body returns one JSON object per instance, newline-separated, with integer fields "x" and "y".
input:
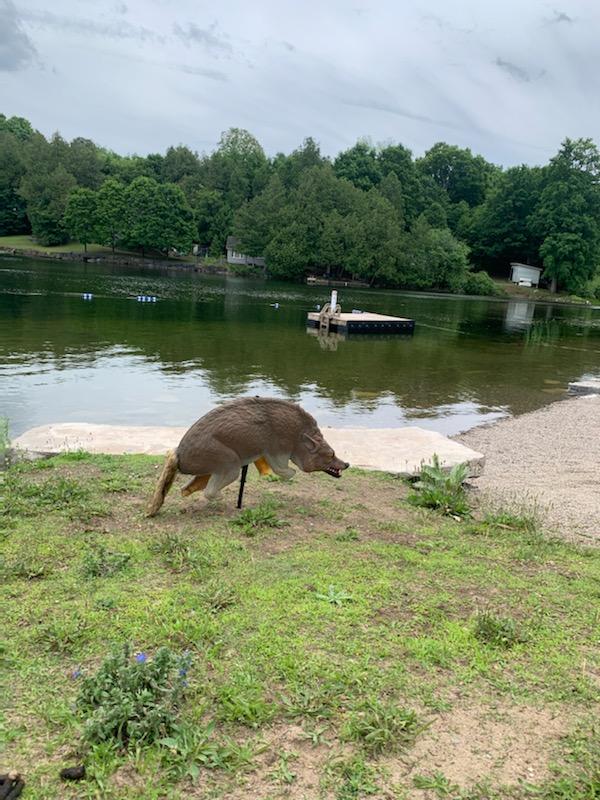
{"x": 518, "y": 73}
{"x": 16, "y": 48}
{"x": 213, "y": 74}
{"x": 208, "y": 38}
{"x": 560, "y": 16}
{"x": 109, "y": 30}
{"x": 399, "y": 111}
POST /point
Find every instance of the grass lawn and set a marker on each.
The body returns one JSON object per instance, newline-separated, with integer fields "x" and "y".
{"x": 336, "y": 642}
{"x": 25, "y": 242}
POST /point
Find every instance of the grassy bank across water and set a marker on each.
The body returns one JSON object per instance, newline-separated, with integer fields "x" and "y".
{"x": 26, "y": 245}
{"x": 337, "y": 642}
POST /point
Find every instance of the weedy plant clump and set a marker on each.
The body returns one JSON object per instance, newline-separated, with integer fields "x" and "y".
{"x": 253, "y": 520}
{"x": 380, "y": 727}
{"x": 442, "y": 490}
{"x": 497, "y": 631}
{"x": 133, "y": 699}
{"x": 4, "y": 441}
{"x": 100, "y": 562}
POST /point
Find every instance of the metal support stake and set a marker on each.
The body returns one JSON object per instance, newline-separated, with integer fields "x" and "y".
{"x": 242, "y": 484}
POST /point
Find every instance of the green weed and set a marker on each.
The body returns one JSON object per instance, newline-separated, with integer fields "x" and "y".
{"x": 22, "y": 568}
{"x": 442, "y": 490}
{"x": 175, "y": 550}
{"x": 380, "y": 727}
{"x": 253, "y": 520}
{"x": 336, "y": 597}
{"x": 349, "y": 535}
{"x": 282, "y": 773}
{"x": 307, "y": 702}
{"x": 437, "y": 783}
{"x": 353, "y": 778}
{"x": 55, "y": 494}
{"x": 217, "y": 595}
{"x": 4, "y": 441}
{"x": 316, "y": 735}
{"x": 497, "y": 631}
{"x": 191, "y": 748}
{"x": 100, "y": 562}
{"x": 243, "y": 701}
{"x": 133, "y": 699}
{"x": 63, "y": 635}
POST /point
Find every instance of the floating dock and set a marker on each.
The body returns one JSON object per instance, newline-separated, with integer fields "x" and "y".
{"x": 363, "y": 322}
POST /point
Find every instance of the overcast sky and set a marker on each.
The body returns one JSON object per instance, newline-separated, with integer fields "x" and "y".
{"x": 508, "y": 79}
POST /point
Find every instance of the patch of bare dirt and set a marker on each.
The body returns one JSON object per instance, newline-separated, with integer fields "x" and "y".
{"x": 474, "y": 742}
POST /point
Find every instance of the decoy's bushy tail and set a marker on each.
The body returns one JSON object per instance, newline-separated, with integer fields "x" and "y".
{"x": 167, "y": 476}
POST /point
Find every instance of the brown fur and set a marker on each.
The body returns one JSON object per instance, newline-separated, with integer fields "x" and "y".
{"x": 259, "y": 430}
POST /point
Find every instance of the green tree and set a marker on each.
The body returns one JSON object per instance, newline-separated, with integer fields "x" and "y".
{"x": 177, "y": 229}
{"x": 13, "y": 216}
{"x": 287, "y": 254}
{"x": 359, "y": 165}
{"x": 19, "y": 127}
{"x": 290, "y": 168}
{"x": 463, "y": 175}
{"x": 391, "y": 189}
{"x": 111, "y": 217}
{"x": 213, "y": 219}
{"x": 432, "y": 258}
{"x": 80, "y": 215}
{"x": 376, "y": 240}
{"x": 143, "y": 209}
{"x": 567, "y": 217}
{"x": 259, "y": 220}
{"x": 238, "y": 168}
{"x": 179, "y": 162}
{"x": 84, "y": 162}
{"x": 46, "y": 195}
{"x": 501, "y": 230}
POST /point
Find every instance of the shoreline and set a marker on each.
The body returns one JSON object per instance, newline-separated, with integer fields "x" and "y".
{"x": 509, "y": 295}
{"x": 119, "y": 259}
{"x": 547, "y": 462}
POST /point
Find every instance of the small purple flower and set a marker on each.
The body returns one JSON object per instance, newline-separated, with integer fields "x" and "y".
{"x": 184, "y": 684}
{"x": 141, "y": 658}
{"x": 183, "y": 672}
{"x": 76, "y": 674}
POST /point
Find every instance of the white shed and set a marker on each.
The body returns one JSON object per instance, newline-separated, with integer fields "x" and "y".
{"x": 525, "y": 275}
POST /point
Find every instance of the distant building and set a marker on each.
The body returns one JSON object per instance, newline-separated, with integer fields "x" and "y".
{"x": 525, "y": 275}
{"x": 234, "y": 256}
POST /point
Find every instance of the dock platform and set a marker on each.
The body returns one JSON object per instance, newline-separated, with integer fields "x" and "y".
{"x": 363, "y": 322}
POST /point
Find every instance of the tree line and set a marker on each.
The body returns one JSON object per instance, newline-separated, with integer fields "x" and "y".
{"x": 441, "y": 221}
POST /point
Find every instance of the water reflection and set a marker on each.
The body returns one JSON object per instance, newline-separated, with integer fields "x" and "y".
{"x": 115, "y": 360}
{"x": 519, "y": 314}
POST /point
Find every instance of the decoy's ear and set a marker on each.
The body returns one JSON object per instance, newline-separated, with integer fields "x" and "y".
{"x": 312, "y": 443}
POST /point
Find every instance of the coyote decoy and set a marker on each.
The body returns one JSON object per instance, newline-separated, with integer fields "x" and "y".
{"x": 261, "y": 430}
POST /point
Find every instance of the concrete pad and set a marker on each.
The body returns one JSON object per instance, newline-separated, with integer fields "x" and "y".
{"x": 591, "y": 386}
{"x": 399, "y": 450}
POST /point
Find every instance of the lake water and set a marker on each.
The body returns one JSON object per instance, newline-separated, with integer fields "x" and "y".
{"x": 115, "y": 360}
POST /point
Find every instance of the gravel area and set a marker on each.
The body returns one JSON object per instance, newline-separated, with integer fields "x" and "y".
{"x": 549, "y": 459}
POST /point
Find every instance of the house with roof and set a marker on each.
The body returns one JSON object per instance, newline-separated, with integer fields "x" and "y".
{"x": 235, "y": 256}
{"x": 524, "y": 274}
